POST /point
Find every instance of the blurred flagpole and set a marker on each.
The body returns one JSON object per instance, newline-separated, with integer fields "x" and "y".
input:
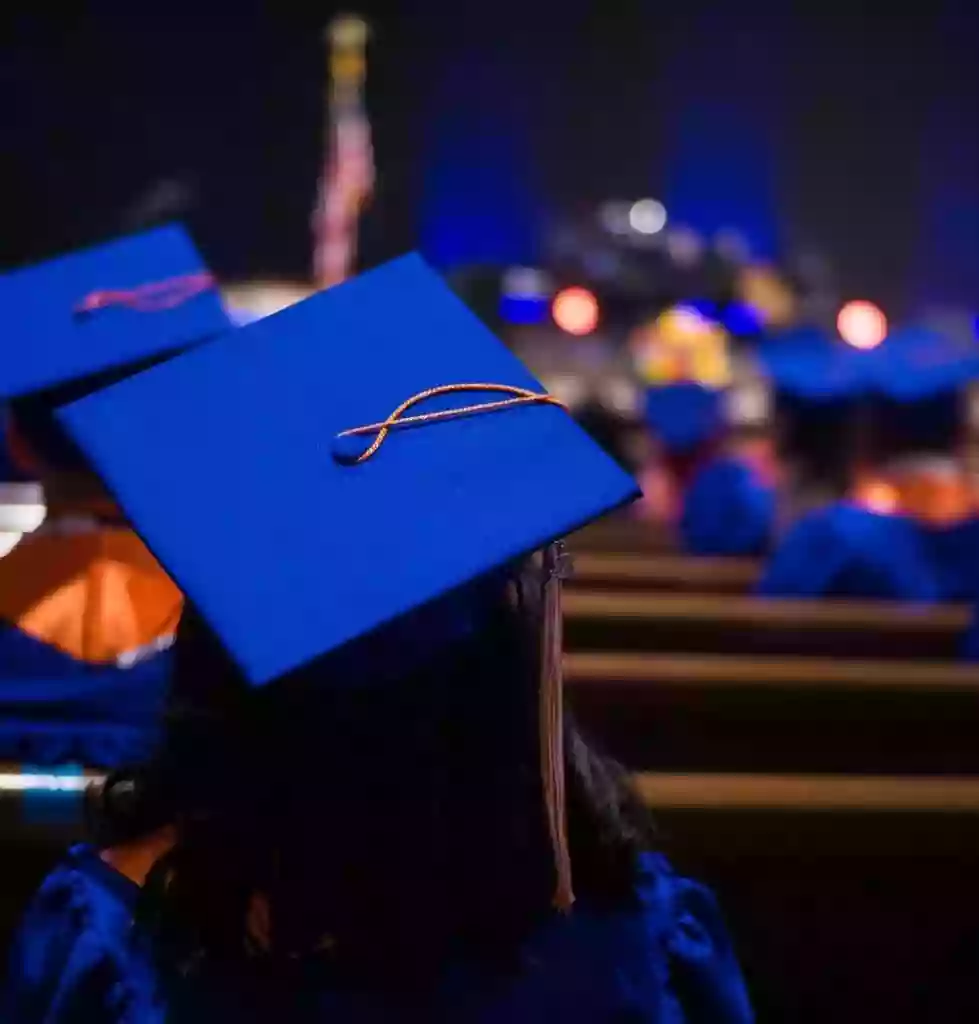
{"x": 345, "y": 184}
{"x": 347, "y": 177}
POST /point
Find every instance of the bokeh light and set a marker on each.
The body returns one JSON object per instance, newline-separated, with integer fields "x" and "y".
{"x": 524, "y": 296}
{"x": 862, "y": 324}
{"x": 767, "y": 294}
{"x": 878, "y": 496}
{"x": 255, "y": 300}
{"x": 614, "y": 216}
{"x": 647, "y": 216}
{"x": 681, "y": 344}
{"x": 575, "y": 310}
{"x": 684, "y": 246}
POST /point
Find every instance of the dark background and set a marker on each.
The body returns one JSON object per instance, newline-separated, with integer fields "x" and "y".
{"x": 848, "y": 135}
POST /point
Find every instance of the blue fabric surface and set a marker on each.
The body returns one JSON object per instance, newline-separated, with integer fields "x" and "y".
{"x": 953, "y": 552}
{"x": 78, "y": 958}
{"x": 56, "y": 709}
{"x": 845, "y": 551}
{"x": 49, "y": 344}
{"x": 684, "y": 415}
{"x": 436, "y": 507}
{"x": 970, "y": 643}
{"x": 727, "y": 510}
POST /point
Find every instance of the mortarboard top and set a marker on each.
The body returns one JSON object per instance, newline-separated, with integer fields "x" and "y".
{"x": 124, "y": 303}
{"x": 916, "y": 363}
{"x": 812, "y": 366}
{"x": 361, "y": 545}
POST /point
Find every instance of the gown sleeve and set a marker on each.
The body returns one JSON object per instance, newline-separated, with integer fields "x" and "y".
{"x": 71, "y": 960}
{"x": 727, "y": 511}
{"x": 704, "y": 980}
{"x": 845, "y": 551}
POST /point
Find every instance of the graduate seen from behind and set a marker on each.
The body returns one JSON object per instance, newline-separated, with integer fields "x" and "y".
{"x": 87, "y": 612}
{"x": 368, "y": 805}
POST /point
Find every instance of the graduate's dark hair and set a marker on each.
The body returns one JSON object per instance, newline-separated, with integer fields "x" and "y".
{"x": 390, "y": 821}
{"x": 821, "y": 440}
{"x": 928, "y": 426}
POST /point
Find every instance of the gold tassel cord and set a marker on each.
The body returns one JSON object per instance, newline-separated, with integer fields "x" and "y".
{"x": 518, "y": 396}
{"x": 552, "y": 726}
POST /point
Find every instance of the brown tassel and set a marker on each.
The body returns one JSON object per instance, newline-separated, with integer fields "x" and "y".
{"x": 552, "y": 724}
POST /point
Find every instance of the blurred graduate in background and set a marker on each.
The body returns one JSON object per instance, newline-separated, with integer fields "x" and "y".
{"x": 368, "y": 805}
{"x": 86, "y": 611}
{"x": 827, "y": 545}
{"x": 718, "y": 488}
{"x": 916, "y": 466}
{"x": 882, "y": 506}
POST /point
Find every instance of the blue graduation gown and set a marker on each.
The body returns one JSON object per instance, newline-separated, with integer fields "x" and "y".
{"x": 55, "y": 709}
{"x": 78, "y": 957}
{"x": 727, "y": 510}
{"x": 846, "y": 551}
{"x": 85, "y": 620}
{"x": 954, "y": 555}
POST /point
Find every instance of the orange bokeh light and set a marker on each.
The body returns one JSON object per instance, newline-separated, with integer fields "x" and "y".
{"x": 575, "y": 310}
{"x": 862, "y": 324}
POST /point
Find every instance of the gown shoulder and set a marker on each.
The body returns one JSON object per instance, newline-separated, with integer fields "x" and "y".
{"x": 76, "y": 956}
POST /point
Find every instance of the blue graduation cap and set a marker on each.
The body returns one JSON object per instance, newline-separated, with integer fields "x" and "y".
{"x": 918, "y": 376}
{"x": 119, "y": 304}
{"x": 819, "y": 383}
{"x": 915, "y": 363}
{"x": 78, "y": 321}
{"x": 812, "y": 366}
{"x": 685, "y": 414}
{"x": 417, "y": 453}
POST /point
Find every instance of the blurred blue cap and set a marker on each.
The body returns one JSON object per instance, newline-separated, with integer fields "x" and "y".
{"x": 361, "y": 544}
{"x": 80, "y": 321}
{"x": 915, "y": 363}
{"x": 811, "y": 365}
{"x": 684, "y": 415}
{"x": 119, "y": 304}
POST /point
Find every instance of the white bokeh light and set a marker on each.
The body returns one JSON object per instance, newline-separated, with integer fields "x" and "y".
{"x": 647, "y": 216}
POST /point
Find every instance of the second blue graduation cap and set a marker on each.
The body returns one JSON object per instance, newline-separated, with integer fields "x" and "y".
{"x": 118, "y": 304}
{"x": 73, "y": 322}
{"x": 252, "y": 497}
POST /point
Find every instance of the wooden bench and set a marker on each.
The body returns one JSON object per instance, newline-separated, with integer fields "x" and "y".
{"x": 663, "y": 572}
{"x": 747, "y": 713}
{"x": 603, "y": 620}
{"x": 636, "y": 670}
{"x": 624, "y": 534}
{"x": 810, "y": 793}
